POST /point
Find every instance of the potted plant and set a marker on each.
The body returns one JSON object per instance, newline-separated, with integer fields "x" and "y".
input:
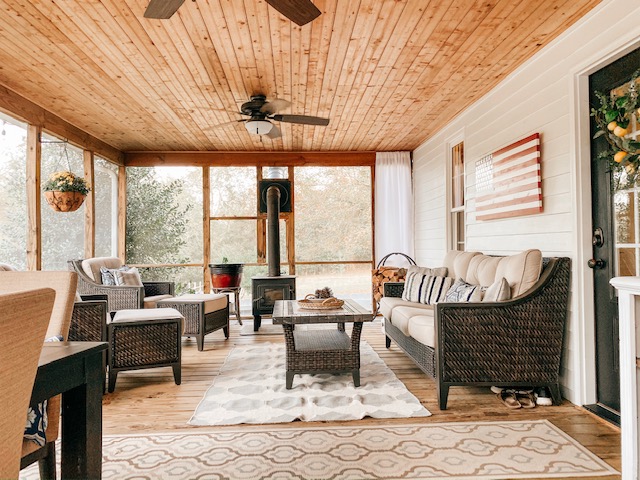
{"x": 225, "y": 274}
{"x": 65, "y": 192}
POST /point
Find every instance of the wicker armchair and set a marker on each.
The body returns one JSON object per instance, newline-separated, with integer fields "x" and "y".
{"x": 120, "y": 297}
{"x": 515, "y": 343}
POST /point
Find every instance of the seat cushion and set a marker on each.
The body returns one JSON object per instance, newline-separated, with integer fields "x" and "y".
{"x": 91, "y": 266}
{"x": 422, "y": 328}
{"x": 401, "y": 315}
{"x": 145, "y": 315}
{"x": 212, "y": 301}
{"x": 387, "y": 304}
{"x": 152, "y": 301}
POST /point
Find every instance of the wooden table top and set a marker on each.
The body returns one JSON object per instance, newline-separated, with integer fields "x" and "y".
{"x": 289, "y": 312}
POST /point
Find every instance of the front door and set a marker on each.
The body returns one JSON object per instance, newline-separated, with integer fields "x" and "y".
{"x": 616, "y": 244}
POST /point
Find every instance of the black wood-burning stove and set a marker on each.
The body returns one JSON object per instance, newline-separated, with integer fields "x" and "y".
{"x": 265, "y": 290}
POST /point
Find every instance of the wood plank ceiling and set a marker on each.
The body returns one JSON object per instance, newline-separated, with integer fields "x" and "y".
{"x": 388, "y": 73}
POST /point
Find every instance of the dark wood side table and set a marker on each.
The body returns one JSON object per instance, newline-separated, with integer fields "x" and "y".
{"x": 236, "y": 299}
{"x": 74, "y": 369}
{"x": 321, "y": 351}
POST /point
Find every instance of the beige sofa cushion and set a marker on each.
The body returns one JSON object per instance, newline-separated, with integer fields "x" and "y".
{"x": 387, "y": 304}
{"x": 521, "y": 270}
{"x": 422, "y": 328}
{"x": 482, "y": 270}
{"x": 91, "y": 266}
{"x": 457, "y": 263}
{"x": 401, "y": 315}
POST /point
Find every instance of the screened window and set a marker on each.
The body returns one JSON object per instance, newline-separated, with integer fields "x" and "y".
{"x": 62, "y": 232}
{"x": 106, "y": 206}
{"x": 13, "y": 202}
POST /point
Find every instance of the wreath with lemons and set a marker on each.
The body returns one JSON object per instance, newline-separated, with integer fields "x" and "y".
{"x": 613, "y": 118}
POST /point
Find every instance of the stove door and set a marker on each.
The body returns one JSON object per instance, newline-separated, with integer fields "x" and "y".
{"x": 266, "y": 294}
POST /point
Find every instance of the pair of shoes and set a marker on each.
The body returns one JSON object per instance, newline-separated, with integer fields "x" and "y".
{"x": 515, "y": 399}
{"x": 526, "y": 398}
{"x": 508, "y": 397}
{"x": 543, "y": 396}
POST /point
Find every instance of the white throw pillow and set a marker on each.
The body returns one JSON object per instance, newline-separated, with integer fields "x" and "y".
{"x": 462, "y": 291}
{"x": 128, "y": 277}
{"x": 427, "y": 289}
{"x": 436, "y": 272}
{"x": 498, "y": 291}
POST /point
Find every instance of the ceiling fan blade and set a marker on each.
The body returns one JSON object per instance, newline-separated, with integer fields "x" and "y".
{"x": 162, "y": 9}
{"x": 275, "y": 105}
{"x": 304, "y": 119}
{"x": 274, "y": 133}
{"x": 222, "y": 125}
{"x": 298, "y": 11}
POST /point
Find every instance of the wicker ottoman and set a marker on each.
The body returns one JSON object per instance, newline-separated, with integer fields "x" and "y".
{"x": 144, "y": 338}
{"x": 203, "y": 314}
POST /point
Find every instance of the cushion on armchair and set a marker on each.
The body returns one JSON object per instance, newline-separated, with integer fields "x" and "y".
{"x": 91, "y": 266}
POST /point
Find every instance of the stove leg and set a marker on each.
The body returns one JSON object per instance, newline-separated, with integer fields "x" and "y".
{"x": 257, "y": 320}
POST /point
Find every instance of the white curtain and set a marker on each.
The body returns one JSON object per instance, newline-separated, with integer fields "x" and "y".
{"x": 394, "y": 224}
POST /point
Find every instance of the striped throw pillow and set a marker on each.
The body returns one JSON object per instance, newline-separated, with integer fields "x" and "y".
{"x": 427, "y": 289}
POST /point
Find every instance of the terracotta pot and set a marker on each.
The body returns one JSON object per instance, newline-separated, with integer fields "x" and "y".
{"x": 64, "y": 201}
{"x": 225, "y": 275}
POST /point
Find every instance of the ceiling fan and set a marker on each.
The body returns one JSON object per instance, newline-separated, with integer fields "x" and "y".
{"x": 298, "y": 11}
{"x": 261, "y": 112}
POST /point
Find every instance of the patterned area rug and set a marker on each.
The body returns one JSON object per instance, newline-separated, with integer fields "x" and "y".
{"x": 495, "y": 450}
{"x": 251, "y": 389}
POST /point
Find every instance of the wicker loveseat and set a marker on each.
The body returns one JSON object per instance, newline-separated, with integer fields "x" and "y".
{"x": 119, "y": 297}
{"x": 517, "y": 342}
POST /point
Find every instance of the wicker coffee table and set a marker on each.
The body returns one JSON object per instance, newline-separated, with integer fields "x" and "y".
{"x": 321, "y": 351}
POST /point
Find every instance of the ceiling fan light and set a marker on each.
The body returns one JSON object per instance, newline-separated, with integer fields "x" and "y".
{"x": 260, "y": 127}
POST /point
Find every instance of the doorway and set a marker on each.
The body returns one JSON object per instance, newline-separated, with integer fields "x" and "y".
{"x": 616, "y": 244}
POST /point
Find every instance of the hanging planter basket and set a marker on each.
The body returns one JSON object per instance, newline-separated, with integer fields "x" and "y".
{"x": 64, "y": 201}
{"x": 65, "y": 192}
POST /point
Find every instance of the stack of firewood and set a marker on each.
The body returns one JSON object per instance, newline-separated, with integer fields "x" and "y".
{"x": 382, "y": 275}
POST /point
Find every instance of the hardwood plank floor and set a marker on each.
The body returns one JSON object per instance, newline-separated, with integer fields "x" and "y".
{"x": 147, "y": 401}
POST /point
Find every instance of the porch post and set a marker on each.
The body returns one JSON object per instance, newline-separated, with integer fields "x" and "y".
{"x": 34, "y": 219}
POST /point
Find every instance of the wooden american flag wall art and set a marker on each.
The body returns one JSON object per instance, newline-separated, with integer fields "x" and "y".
{"x": 508, "y": 181}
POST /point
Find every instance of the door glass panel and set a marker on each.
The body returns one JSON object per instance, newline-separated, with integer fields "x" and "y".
{"x": 626, "y": 262}
{"x": 625, "y": 205}
{"x": 624, "y": 215}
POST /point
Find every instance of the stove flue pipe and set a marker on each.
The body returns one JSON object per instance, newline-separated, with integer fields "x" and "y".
{"x": 273, "y": 230}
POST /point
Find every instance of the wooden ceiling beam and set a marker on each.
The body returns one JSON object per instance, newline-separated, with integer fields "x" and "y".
{"x": 25, "y": 110}
{"x": 240, "y": 159}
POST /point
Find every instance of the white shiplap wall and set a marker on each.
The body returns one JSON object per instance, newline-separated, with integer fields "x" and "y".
{"x": 538, "y": 97}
